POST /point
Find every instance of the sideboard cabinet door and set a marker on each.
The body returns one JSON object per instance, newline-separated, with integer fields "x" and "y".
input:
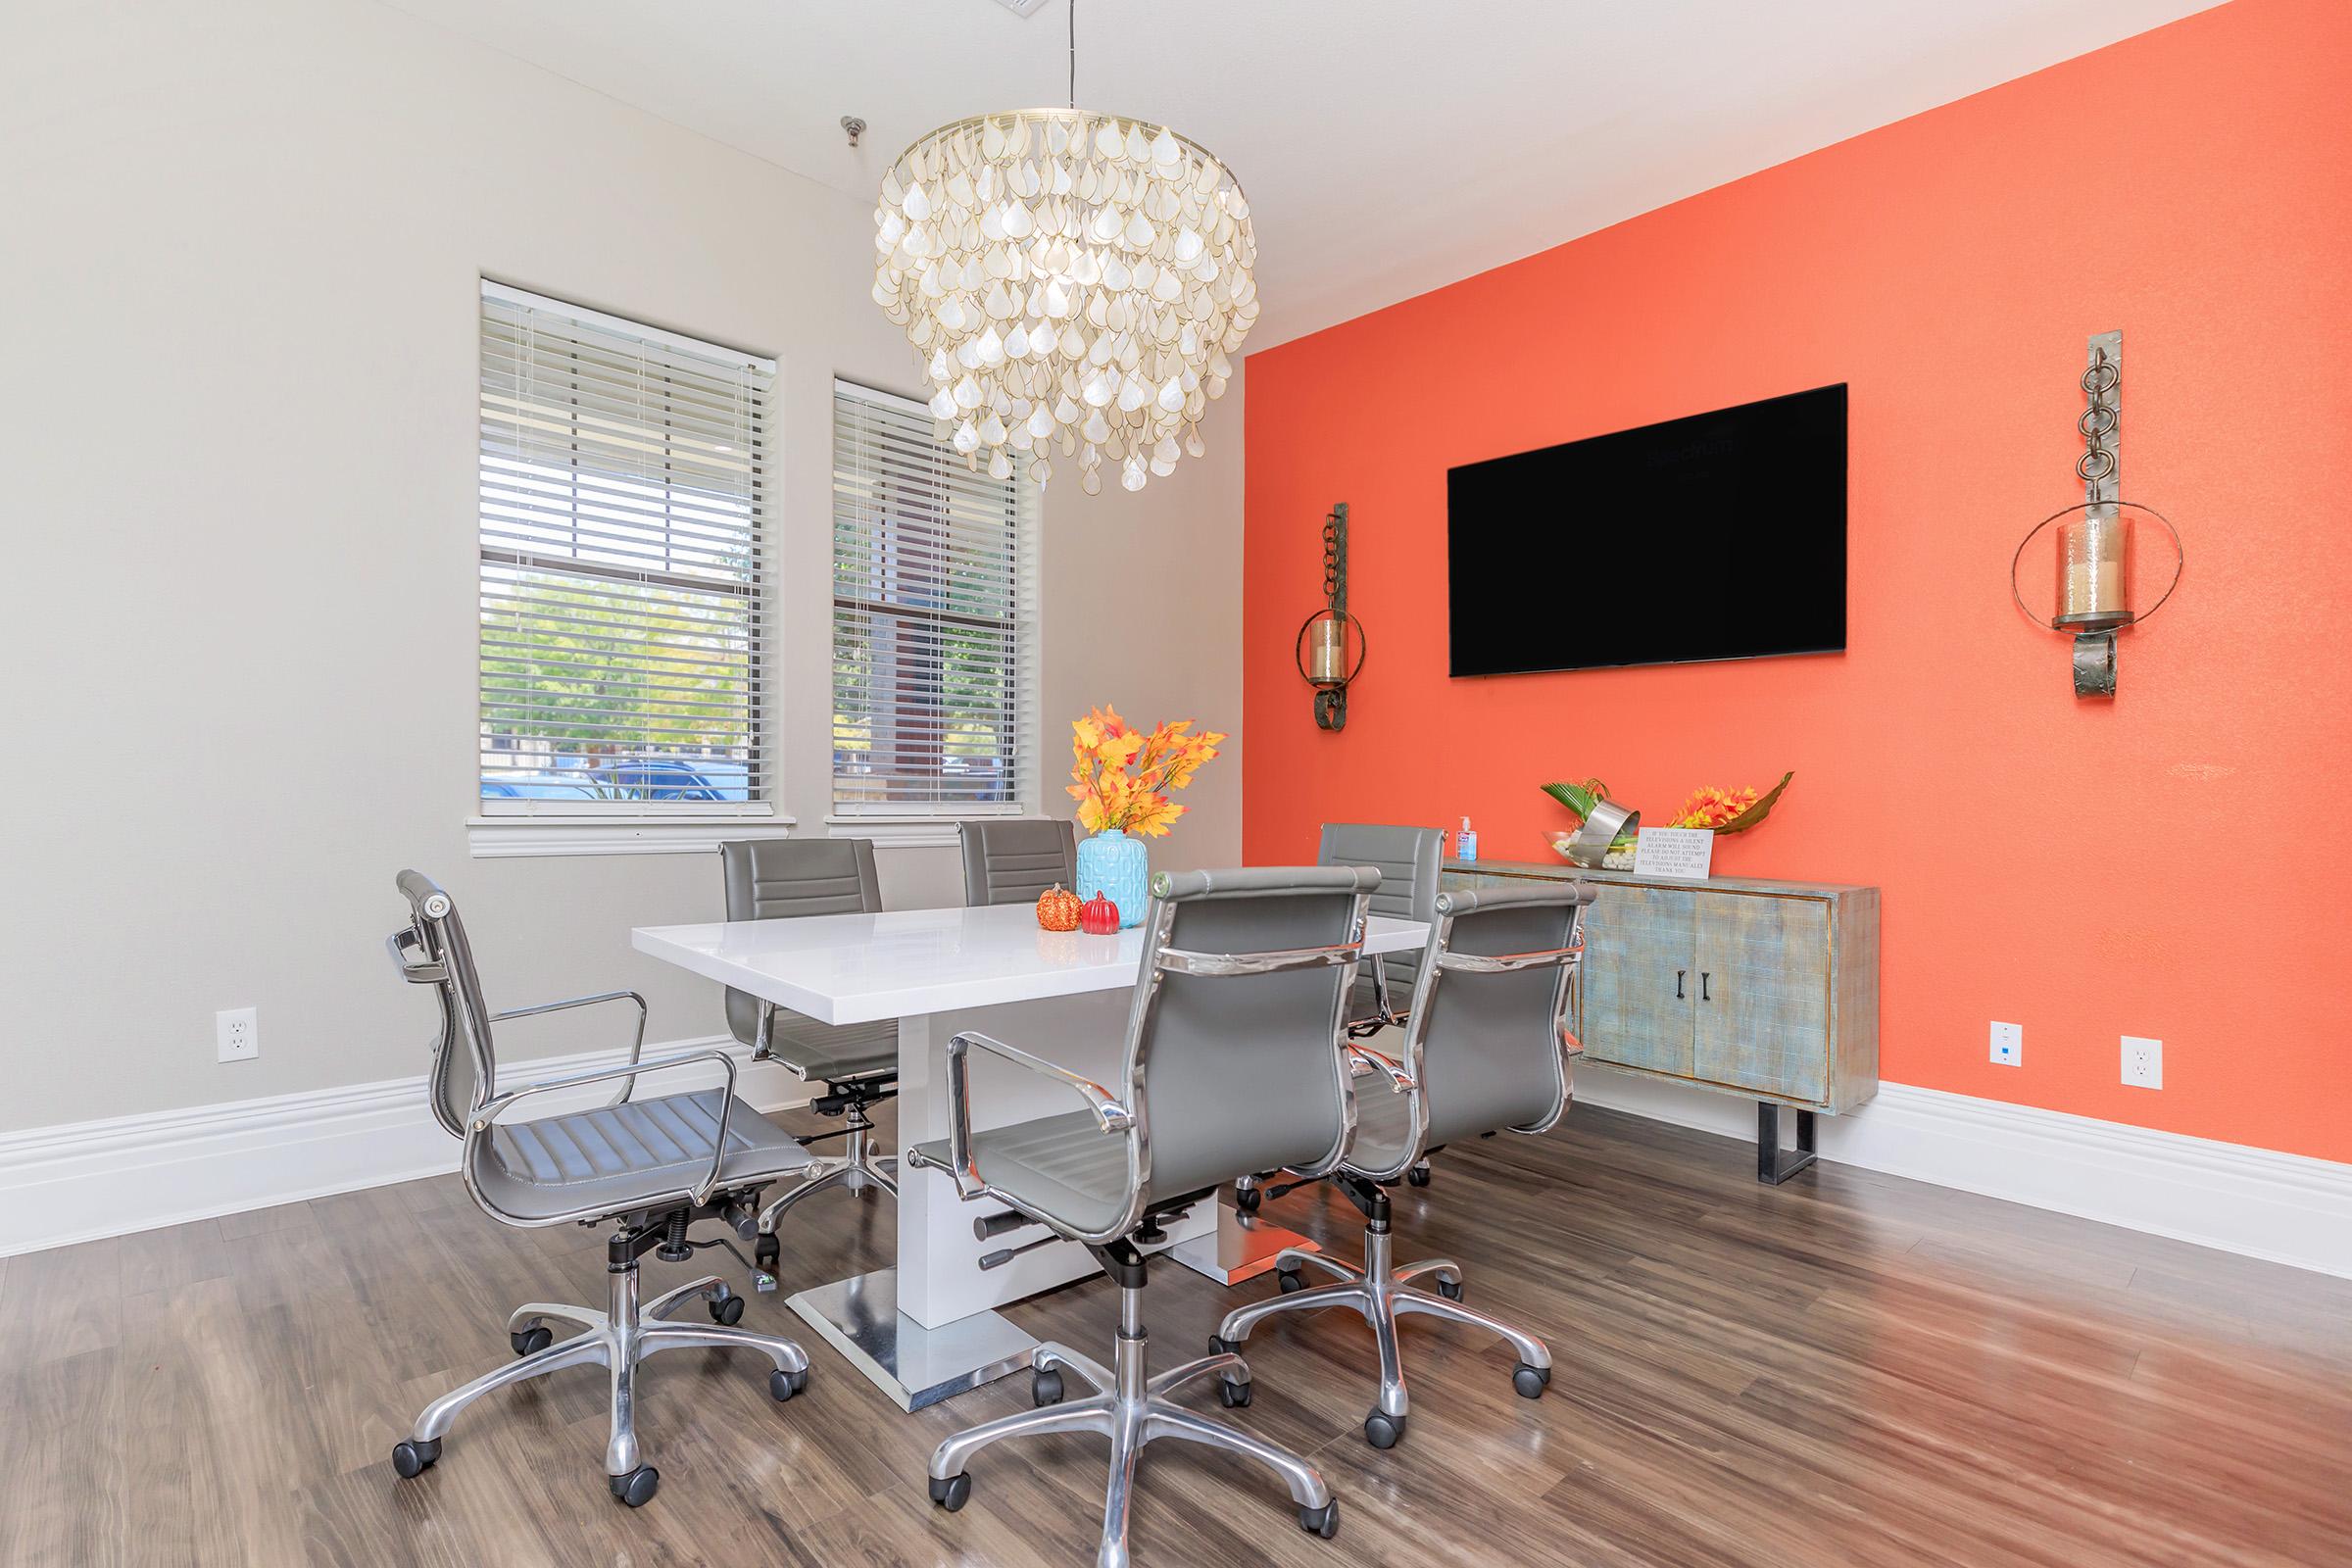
{"x": 1763, "y": 986}
{"x": 1639, "y": 949}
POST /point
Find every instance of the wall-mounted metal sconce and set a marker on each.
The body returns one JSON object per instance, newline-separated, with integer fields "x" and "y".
{"x": 1323, "y": 640}
{"x": 2093, "y": 600}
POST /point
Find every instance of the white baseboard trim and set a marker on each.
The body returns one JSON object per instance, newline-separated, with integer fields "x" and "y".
{"x": 93, "y": 1179}
{"x": 2286, "y": 1208}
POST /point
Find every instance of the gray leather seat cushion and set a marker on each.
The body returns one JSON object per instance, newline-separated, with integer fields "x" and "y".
{"x": 833, "y": 1051}
{"x": 643, "y": 1151}
{"x": 1066, "y": 1166}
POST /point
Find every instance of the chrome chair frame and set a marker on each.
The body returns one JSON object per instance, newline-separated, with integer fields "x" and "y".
{"x": 1130, "y": 1404}
{"x": 1379, "y": 1292}
{"x": 628, "y": 1331}
{"x": 861, "y": 1163}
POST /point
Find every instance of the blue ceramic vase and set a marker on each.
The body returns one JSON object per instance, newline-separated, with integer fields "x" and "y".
{"x": 1119, "y": 868}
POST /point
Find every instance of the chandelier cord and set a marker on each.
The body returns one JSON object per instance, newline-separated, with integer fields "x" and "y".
{"x": 1073, "y": 54}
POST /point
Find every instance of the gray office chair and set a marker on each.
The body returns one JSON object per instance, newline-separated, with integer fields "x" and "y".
{"x": 1236, "y": 1027}
{"x": 1013, "y": 859}
{"x": 781, "y": 879}
{"x": 1407, "y": 860}
{"x": 1487, "y": 1048}
{"x": 649, "y": 1168}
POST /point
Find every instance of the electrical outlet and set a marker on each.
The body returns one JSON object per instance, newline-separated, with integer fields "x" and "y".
{"x": 2143, "y": 1063}
{"x": 238, "y": 1033}
{"x": 2009, "y": 1045}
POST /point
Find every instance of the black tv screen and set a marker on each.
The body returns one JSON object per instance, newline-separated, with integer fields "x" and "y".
{"x": 1717, "y": 536}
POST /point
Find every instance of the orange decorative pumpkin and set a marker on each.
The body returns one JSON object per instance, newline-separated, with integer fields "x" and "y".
{"x": 1057, "y": 909}
{"x": 1099, "y": 916}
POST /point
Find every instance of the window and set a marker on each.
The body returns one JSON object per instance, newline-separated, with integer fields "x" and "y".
{"x": 934, "y": 620}
{"x": 623, "y": 473}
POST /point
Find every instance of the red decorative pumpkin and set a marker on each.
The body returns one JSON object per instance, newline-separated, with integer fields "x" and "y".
{"x": 1099, "y": 916}
{"x": 1057, "y": 909}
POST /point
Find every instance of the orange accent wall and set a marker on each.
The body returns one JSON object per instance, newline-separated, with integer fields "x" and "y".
{"x": 2173, "y": 863}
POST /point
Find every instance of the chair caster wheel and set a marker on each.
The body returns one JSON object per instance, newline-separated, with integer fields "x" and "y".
{"x": 1530, "y": 1381}
{"x": 414, "y": 1458}
{"x": 1044, "y": 1386}
{"x": 1383, "y": 1430}
{"x": 1323, "y": 1521}
{"x": 728, "y": 1310}
{"x": 1287, "y": 1280}
{"x": 637, "y": 1487}
{"x": 783, "y": 1385}
{"x": 1217, "y": 1346}
{"x": 1418, "y": 1176}
{"x": 1233, "y": 1395}
{"x": 1248, "y": 1198}
{"x": 766, "y": 1253}
{"x": 531, "y": 1340}
{"x": 953, "y": 1493}
{"x": 1451, "y": 1290}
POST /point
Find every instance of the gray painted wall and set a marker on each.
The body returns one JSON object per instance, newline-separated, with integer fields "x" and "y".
{"x": 238, "y": 421}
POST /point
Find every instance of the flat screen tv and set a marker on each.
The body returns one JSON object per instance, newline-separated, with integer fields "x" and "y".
{"x": 1717, "y": 536}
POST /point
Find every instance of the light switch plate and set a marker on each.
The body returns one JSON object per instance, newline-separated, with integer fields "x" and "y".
{"x": 2008, "y": 1046}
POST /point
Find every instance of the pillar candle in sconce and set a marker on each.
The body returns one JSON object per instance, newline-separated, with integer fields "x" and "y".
{"x": 2093, "y": 552}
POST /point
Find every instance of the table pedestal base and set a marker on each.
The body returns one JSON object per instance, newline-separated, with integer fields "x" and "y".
{"x": 1242, "y": 1247}
{"x": 914, "y": 1365}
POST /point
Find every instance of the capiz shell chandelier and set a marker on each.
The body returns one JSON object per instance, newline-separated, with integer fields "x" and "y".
{"x": 1072, "y": 279}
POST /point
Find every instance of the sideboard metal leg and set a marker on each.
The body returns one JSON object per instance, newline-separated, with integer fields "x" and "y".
{"x": 1774, "y": 1164}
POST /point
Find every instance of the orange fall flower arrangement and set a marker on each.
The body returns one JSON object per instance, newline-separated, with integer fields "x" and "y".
{"x": 1711, "y": 808}
{"x": 1121, "y": 777}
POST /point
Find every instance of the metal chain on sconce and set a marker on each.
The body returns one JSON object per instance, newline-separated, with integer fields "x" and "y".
{"x": 1334, "y": 557}
{"x": 2098, "y": 422}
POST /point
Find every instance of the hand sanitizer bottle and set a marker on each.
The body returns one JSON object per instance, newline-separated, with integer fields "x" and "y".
{"x": 1465, "y": 844}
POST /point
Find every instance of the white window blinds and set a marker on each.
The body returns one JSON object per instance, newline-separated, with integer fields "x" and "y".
{"x": 622, "y": 497}
{"x": 934, "y": 620}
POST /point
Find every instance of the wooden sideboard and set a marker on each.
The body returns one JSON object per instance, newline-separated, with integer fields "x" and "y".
{"x": 1765, "y": 990}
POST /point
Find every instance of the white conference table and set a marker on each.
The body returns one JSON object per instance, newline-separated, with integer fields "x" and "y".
{"x": 925, "y": 1331}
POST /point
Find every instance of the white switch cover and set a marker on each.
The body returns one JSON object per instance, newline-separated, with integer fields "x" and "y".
{"x": 2143, "y": 1063}
{"x": 238, "y": 1033}
{"x": 2009, "y": 1045}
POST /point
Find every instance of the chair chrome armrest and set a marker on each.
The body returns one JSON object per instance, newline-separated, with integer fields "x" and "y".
{"x": 486, "y": 1117}
{"x": 1180, "y": 960}
{"x": 570, "y": 1001}
{"x": 1507, "y": 962}
{"x": 636, "y": 1046}
{"x": 1110, "y": 1115}
{"x": 1400, "y": 1080}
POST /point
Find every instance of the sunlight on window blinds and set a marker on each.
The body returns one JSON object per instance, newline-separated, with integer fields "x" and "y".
{"x": 934, "y": 620}
{"x": 622, "y": 497}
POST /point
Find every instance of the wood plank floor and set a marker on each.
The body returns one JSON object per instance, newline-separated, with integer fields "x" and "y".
{"x": 1850, "y": 1369}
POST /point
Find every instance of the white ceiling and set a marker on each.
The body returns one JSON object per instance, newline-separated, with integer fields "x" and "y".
{"x": 1387, "y": 147}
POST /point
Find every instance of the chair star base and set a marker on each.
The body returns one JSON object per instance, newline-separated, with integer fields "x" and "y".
{"x": 860, "y": 1164}
{"x": 1131, "y": 1407}
{"x": 1380, "y": 1294}
{"x": 616, "y": 1339}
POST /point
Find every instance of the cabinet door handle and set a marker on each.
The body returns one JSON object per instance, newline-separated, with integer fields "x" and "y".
{"x": 1702, "y": 987}
{"x": 1678, "y": 984}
